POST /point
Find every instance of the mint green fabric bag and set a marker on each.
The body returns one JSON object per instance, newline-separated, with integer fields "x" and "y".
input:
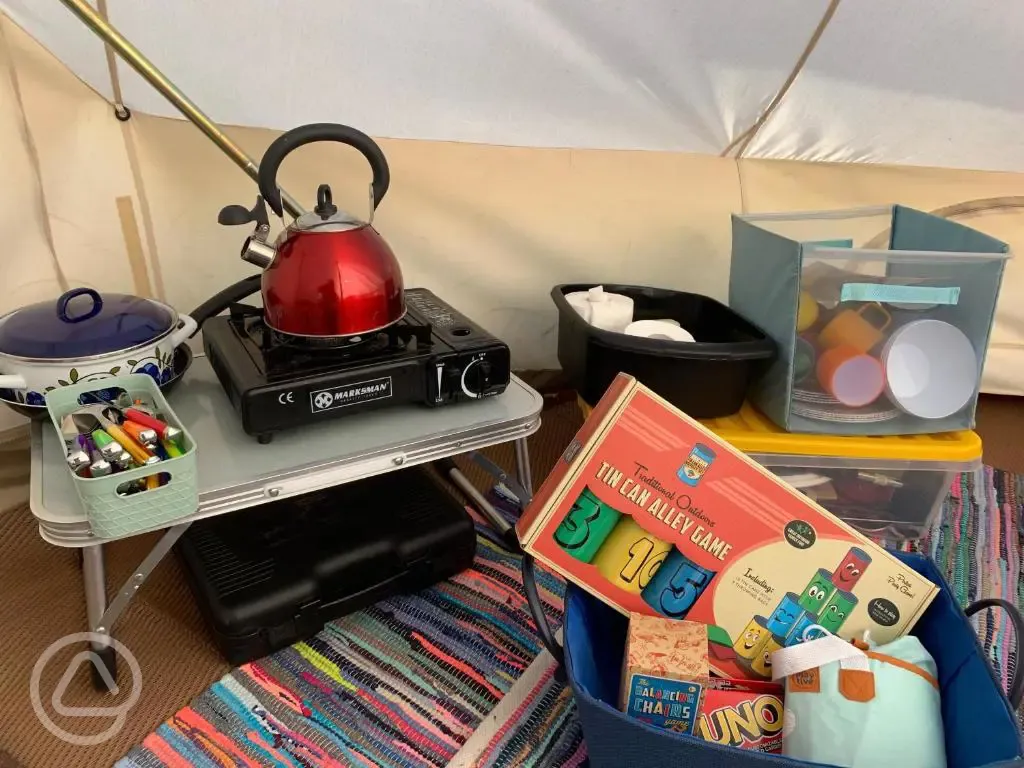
{"x": 861, "y": 707}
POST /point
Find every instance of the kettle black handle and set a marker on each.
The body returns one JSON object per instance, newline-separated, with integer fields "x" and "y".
{"x": 307, "y": 134}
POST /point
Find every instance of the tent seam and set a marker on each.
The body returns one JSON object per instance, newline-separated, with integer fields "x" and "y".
{"x": 743, "y": 140}
{"x": 739, "y": 177}
{"x": 131, "y": 150}
{"x": 980, "y": 205}
{"x": 115, "y": 79}
{"x": 33, "y": 154}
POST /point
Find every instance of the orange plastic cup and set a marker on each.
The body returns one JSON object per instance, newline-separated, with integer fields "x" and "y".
{"x": 862, "y": 328}
{"x": 852, "y": 377}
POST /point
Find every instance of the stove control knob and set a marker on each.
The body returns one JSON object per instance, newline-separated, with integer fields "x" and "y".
{"x": 485, "y": 375}
{"x": 476, "y": 378}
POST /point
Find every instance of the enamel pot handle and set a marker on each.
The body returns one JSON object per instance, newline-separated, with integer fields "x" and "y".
{"x": 12, "y": 381}
{"x": 186, "y": 327}
{"x": 308, "y": 134}
{"x": 65, "y": 299}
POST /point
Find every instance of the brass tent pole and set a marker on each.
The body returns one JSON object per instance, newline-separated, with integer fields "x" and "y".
{"x": 106, "y": 32}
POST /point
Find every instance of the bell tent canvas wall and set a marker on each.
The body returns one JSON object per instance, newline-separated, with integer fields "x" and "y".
{"x": 530, "y": 142}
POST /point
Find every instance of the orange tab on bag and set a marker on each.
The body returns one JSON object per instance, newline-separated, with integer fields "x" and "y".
{"x": 857, "y": 684}
{"x": 808, "y": 681}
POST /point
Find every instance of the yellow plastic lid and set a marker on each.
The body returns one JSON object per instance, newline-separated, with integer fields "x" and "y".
{"x": 753, "y": 433}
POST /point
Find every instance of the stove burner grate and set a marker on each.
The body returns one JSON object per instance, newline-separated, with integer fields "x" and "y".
{"x": 306, "y": 343}
{"x": 285, "y": 355}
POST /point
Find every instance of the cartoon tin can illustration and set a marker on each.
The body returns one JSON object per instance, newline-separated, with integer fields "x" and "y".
{"x": 852, "y": 567}
{"x": 817, "y": 592}
{"x": 752, "y": 638}
{"x": 761, "y": 664}
{"x": 796, "y": 634}
{"x": 787, "y": 611}
{"x": 586, "y": 526}
{"x": 837, "y": 610}
{"x": 630, "y": 556}
{"x": 677, "y": 585}
{"x": 697, "y": 464}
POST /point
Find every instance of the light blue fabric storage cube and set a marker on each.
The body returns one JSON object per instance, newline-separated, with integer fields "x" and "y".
{"x": 893, "y": 266}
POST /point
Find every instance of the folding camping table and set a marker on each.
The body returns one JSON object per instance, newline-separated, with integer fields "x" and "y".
{"x": 236, "y": 472}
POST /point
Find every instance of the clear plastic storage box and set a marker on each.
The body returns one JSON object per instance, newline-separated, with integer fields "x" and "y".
{"x": 881, "y": 317}
{"x": 886, "y": 487}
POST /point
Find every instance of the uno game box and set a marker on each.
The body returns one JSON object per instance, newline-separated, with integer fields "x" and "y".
{"x": 747, "y": 715}
{"x": 652, "y": 513}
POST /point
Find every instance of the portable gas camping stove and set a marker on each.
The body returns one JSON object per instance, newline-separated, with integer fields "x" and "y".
{"x": 434, "y": 356}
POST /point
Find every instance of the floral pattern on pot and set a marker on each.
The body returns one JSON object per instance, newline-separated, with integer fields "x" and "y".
{"x": 159, "y": 366}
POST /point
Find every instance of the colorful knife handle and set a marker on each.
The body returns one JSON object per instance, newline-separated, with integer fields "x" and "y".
{"x": 136, "y": 451}
{"x": 144, "y": 436}
{"x": 173, "y": 451}
{"x": 78, "y": 460}
{"x": 108, "y": 446}
{"x": 146, "y": 420}
{"x": 101, "y": 467}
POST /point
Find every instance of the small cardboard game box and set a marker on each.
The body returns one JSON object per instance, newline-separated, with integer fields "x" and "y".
{"x": 665, "y": 671}
{"x": 665, "y": 683}
{"x": 748, "y": 715}
{"x": 652, "y": 513}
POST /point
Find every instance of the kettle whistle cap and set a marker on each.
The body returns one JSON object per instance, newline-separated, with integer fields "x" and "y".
{"x": 325, "y": 207}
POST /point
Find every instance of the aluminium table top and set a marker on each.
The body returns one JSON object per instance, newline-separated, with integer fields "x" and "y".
{"x": 236, "y": 472}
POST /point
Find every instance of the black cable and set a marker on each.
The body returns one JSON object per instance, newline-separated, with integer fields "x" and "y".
{"x": 533, "y": 601}
{"x": 1015, "y": 687}
{"x": 547, "y": 637}
{"x": 220, "y": 301}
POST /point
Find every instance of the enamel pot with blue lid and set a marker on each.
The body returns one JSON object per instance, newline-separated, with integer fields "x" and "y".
{"x": 86, "y": 336}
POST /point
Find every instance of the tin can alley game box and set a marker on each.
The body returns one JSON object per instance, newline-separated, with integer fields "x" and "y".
{"x": 650, "y": 512}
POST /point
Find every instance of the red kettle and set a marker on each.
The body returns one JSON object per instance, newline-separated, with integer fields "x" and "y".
{"x": 328, "y": 275}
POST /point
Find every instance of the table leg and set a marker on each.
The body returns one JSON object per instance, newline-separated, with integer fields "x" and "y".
{"x": 102, "y": 616}
{"x": 94, "y": 582}
{"x": 141, "y": 573}
{"x": 523, "y": 471}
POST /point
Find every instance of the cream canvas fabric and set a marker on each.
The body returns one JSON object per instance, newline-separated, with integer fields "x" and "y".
{"x": 589, "y": 147}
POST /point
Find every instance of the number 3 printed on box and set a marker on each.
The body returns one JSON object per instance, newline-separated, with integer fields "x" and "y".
{"x": 586, "y": 526}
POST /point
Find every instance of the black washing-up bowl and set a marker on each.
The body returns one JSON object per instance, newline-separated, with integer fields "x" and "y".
{"x": 706, "y": 379}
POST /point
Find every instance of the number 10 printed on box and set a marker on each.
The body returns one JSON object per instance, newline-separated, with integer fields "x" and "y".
{"x": 653, "y": 514}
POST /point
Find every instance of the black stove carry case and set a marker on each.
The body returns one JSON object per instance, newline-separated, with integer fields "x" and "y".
{"x": 273, "y": 575}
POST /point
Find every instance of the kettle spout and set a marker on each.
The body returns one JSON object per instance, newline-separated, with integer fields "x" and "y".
{"x": 256, "y": 250}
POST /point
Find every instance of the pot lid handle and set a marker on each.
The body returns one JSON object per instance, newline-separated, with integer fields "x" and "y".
{"x": 63, "y": 301}
{"x": 307, "y": 134}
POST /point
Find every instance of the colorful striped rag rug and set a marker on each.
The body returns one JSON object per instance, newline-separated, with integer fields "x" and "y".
{"x": 976, "y": 542}
{"x": 406, "y": 682}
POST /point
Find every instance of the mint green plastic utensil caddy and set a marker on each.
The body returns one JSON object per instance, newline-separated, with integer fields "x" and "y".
{"x": 110, "y": 514}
